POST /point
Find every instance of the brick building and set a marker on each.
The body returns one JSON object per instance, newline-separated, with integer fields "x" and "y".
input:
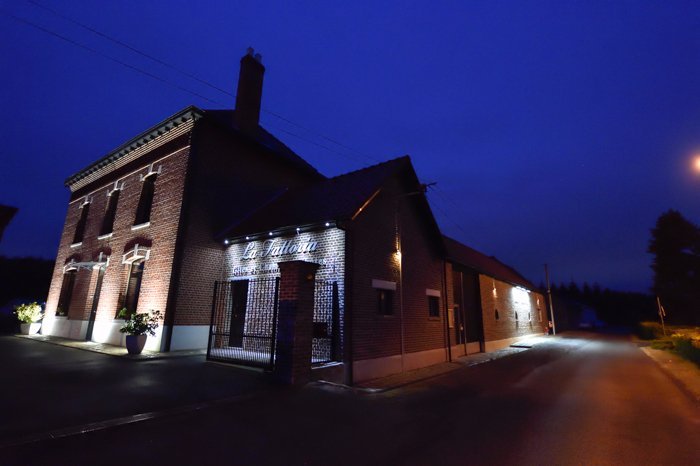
{"x": 203, "y": 217}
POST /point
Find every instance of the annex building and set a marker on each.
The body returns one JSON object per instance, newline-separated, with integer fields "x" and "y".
{"x": 254, "y": 255}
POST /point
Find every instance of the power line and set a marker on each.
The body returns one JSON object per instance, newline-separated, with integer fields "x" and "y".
{"x": 90, "y": 49}
{"x": 192, "y": 76}
{"x": 445, "y": 214}
{"x": 129, "y": 47}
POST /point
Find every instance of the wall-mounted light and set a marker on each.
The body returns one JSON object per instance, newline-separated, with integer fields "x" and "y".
{"x": 269, "y": 233}
{"x": 225, "y": 241}
{"x": 247, "y": 237}
{"x": 328, "y": 224}
{"x": 298, "y": 229}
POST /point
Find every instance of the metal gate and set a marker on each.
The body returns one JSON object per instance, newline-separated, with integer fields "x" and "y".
{"x": 243, "y": 326}
{"x": 325, "y": 345}
{"x": 244, "y": 322}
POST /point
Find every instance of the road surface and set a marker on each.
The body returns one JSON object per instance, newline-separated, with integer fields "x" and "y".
{"x": 580, "y": 399}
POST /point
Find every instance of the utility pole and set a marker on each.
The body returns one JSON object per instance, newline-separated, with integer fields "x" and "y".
{"x": 549, "y": 295}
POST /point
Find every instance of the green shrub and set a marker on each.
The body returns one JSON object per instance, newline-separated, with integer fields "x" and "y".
{"x": 663, "y": 345}
{"x": 649, "y": 330}
{"x": 28, "y": 313}
{"x": 141, "y": 324}
{"x": 687, "y": 349}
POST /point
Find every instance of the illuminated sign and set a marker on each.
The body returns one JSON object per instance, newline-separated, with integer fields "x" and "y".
{"x": 276, "y": 248}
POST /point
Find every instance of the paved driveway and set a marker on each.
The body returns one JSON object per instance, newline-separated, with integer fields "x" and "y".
{"x": 46, "y": 387}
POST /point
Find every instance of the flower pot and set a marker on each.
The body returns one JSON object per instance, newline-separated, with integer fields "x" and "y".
{"x": 30, "y": 329}
{"x": 135, "y": 343}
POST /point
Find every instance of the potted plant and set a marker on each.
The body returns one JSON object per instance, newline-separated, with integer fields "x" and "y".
{"x": 29, "y": 315}
{"x": 137, "y": 328}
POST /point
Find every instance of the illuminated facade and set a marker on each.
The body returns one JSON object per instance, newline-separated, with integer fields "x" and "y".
{"x": 196, "y": 216}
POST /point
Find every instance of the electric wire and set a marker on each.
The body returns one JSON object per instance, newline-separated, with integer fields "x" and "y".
{"x": 103, "y": 55}
{"x": 200, "y": 80}
{"x": 129, "y": 47}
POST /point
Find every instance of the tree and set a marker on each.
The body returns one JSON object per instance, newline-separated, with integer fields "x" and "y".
{"x": 675, "y": 244}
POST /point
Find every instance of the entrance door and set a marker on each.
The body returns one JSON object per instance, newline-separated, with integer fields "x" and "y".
{"x": 95, "y": 302}
{"x": 239, "y": 303}
{"x": 472, "y": 308}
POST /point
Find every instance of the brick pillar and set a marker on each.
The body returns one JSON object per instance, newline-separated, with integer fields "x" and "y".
{"x": 295, "y": 322}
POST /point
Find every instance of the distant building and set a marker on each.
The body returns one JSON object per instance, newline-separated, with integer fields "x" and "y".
{"x": 6, "y": 215}
{"x": 198, "y": 215}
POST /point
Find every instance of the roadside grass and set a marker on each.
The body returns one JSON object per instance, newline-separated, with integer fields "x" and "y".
{"x": 680, "y": 339}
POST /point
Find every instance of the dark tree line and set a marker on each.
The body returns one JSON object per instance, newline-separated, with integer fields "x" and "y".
{"x": 23, "y": 279}
{"x": 675, "y": 245}
{"x": 612, "y": 307}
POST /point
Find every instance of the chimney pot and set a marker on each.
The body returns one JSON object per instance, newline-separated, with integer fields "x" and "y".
{"x": 249, "y": 94}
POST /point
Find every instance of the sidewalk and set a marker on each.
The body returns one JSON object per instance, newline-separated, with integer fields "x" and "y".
{"x": 111, "y": 350}
{"x": 683, "y": 372}
{"x": 406, "y": 378}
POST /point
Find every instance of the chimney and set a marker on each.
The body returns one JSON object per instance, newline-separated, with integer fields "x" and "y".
{"x": 249, "y": 95}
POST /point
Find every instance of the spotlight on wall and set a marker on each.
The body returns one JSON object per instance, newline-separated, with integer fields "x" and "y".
{"x": 328, "y": 224}
{"x": 247, "y": 237}
{"x": 269, "y": 233}
{"x": 298, "y": 229}
{"x": 225, "y": 241}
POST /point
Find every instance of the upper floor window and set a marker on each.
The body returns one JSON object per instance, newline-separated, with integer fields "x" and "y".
{"x": 143, "y": 211}
{"x": 110, "y": 213}
{"x": 80, "y": 227}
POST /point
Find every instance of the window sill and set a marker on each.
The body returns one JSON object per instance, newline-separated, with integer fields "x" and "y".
{"x": 75, "y": 245}
{"x": 140, "y": 226}
{"x": 107, "y": 236}
{"x": 435, "y": 318}
{"x": 61, "y": 317}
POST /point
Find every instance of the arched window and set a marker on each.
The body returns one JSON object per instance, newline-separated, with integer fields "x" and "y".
{"x": 66, "y": 293}
{"x": 133, "y": 286}
{"x": 110, "y": 213}
{"x": 80, "y": 227}
{"x": 143, "y": 211}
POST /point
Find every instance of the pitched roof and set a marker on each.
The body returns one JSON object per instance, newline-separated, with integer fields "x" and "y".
{"x": 223, "y": 117}
{"x": 331, "y": 199}
{"x": 486, "y": 265}
{"x": 264, "y": 138}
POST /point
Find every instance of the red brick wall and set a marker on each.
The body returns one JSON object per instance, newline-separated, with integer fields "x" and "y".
{"x": 160, "y": 235}
{"x": 231, "y": 177}
{"x": 513, "y": 307}
{"x": 373, "y": 257}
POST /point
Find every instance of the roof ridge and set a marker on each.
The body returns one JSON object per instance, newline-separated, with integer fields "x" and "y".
{"x": 370, "y": 167}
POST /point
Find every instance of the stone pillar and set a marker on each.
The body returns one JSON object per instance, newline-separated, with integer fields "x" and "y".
{"x": 295, "y": 322}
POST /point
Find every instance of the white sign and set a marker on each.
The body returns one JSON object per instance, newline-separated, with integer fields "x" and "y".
{"x": 278, "y": 247}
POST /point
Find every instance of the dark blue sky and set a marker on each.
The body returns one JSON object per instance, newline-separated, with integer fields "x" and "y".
{"x": 556, "y": 131}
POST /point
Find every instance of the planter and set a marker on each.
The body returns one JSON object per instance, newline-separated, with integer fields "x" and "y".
{"x": 30, "y": 329}
{"x": 135, "y": 343}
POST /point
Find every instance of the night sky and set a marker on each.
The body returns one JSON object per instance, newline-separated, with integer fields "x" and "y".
{"x": 556, "y": 131}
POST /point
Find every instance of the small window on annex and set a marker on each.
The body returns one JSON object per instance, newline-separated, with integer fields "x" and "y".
{"x": 110, "y": 213}
{"x": 433, "y": 306}
{"x": 80, "y": 227}
{"x": 66, "y": 293}
{"x": 385, "y": 296}
{"x": 133, "y": 287}
{"x": 143, "y": 211}
{"x": 385, "y": 302}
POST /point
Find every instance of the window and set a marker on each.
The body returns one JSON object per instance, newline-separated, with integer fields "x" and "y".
{"x": 433, "y": 306}
{"x": 80, "y": 227}
{"x": 385, "y": 302}
{"x": 143, "y": 211}
{"x": 133, "y": 287}
{"x": 66, "y": 293}
{"x": 110, "y": 213}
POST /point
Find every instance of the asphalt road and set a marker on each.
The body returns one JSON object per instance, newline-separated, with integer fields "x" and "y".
{"x": 573, "y": 400}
